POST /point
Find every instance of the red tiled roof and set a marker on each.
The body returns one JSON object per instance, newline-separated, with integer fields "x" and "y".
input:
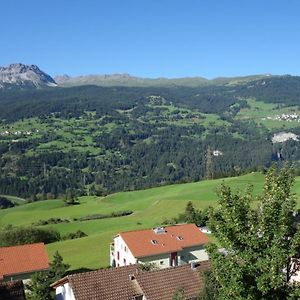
{"x": 125, "y": 283}
{"x": 23, "y": 259}
{"x": 105, "y": 284}
{"x": 140, "y": 245}
{"x": 162, "y": 284}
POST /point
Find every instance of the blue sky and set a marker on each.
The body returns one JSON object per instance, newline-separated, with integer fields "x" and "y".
{"x": 153, "y": 38}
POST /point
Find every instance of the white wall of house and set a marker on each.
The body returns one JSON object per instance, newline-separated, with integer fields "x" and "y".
{"x": 64, "y": 292}
{"x": 161, "y": 261}
{"x": 122, "y": 254}
{"x": 186, "y": 256}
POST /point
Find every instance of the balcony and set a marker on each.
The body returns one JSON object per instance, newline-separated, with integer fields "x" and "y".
{"x": 112, "y": 260}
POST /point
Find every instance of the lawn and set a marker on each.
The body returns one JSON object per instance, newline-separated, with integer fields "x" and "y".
{"x": 150, "y": 207}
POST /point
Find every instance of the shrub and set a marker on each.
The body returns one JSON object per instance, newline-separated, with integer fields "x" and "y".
{"x": 27, "y": 235}
{"x": 50, "y": 221}
{"x": 5, "y": 203}
{"x": 103, "y": 216}
{"x": 74, "y": 235}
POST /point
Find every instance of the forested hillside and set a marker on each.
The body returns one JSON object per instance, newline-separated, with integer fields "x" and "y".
{"x": 97, "y": 140}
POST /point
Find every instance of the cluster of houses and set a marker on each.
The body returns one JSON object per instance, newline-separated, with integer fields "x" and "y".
{"x": 174, "y": 256}
{"x": 284, "y": 117}
{"x": 149, "y": 264}
{"x": 18, "y": 132}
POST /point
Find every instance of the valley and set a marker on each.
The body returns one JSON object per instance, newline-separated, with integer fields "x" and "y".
{"x": 89, "y": 140}
{"x": 103, "y": 159}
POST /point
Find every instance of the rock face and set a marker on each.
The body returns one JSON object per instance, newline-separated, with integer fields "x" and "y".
{"x": 283, "y": 137}
{"x": 20, "y": 75}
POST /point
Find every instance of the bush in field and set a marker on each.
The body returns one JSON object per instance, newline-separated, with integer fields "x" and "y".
{"x": 5, "y": 203}
{"x": 10, "y": 236}
{"x": 74, "y": 235}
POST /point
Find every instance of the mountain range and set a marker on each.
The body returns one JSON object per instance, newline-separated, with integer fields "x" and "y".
{"x": 30, "y": 76}
{"x": 133, "y": 81}
{"x": 93, "y": 138}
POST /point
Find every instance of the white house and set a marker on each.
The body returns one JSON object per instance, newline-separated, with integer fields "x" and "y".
{"x": 163, "y": 246}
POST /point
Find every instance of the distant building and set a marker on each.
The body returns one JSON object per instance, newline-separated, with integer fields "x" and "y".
{"x": 162, "y": 246}
{"x": 128, "y": 283}
{"x": 21, "y": 262}
{"x": 217, "y": 153}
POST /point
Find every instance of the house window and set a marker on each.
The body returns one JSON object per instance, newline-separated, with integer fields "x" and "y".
{"x": 124, "y": 262}
{"x": 154, "y": 242}
{"x": 125, "y": 248}
{"x": 161, "y": 262}
{"x": 180, "y": 238}
{"x": 118, "y": 255}
{"x": 118, "y": 265}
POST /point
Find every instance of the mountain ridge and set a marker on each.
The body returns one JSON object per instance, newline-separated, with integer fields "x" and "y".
{"x": 20, "y": 75}
{"x": 24, "y": 76}
{"x": 125, "y": 79}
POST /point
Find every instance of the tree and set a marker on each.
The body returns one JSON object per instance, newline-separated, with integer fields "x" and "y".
{"x": 39, "y": 286}
{"x": 179, "y": 294}
{"x": 146, "y": 267}
{"x": 57, "y": 268}
{"x": 5, "y": 203}
{"x": 71, "y": 197}
{"x": 190, "y": 213}
{"x": 259, "y": 241}
{"x": 210, "y": 290}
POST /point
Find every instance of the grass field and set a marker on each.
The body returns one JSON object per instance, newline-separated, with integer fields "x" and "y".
{"x": 14, "y": 199}
{"x": 76, "y": 134}
{"x": 259, "y": 111}
{"x": 150, "y": 208}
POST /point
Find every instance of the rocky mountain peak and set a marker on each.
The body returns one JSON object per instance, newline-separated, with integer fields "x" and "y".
{"x": 21, "y": 75}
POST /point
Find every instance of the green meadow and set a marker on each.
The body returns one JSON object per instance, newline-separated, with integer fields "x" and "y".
{"x": 150, "y": 208}
{"x": 260, "y": 111}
